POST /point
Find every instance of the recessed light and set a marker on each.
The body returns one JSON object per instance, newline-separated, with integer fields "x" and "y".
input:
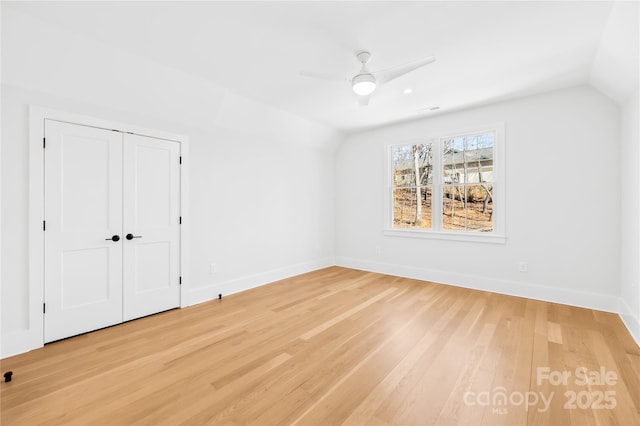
{"x": 407, "y": 91}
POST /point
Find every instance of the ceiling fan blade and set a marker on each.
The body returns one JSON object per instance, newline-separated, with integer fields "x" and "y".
{"x": 389, "y": 74}
{"x": 363, "y": 100}
{"x": 323, "y": 76}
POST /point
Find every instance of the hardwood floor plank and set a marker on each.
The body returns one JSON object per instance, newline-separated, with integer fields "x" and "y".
{"x": 322, "y": 327}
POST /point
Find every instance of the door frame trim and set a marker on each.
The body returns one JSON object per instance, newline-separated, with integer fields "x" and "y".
{"x": 34, "y": 337}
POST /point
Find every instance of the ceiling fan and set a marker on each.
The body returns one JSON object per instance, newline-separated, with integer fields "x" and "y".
{"x": 365, "y": 82}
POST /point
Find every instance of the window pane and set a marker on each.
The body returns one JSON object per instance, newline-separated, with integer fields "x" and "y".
{"x": 467, "y": 208}
{"x": 410, "y": 161}
{"x": 454, "y": 216}
{"x": 479, "y": 208}
{"x": 406, "y": 213}
{"x": 452, "y": 160}
{"x": 480, "y": 158}
{"x": 468, "y": 159}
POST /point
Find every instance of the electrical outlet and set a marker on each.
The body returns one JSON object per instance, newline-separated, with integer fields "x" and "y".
{"x": 378, "y": 250}
{"x": 213, "y": 268}
{"x": 522, "y": 266}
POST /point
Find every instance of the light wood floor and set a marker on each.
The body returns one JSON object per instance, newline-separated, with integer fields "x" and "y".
{"x": 336, "y": 346}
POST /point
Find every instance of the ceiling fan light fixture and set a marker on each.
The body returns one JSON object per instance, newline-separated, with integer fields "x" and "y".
{"x": 363, "y": 84}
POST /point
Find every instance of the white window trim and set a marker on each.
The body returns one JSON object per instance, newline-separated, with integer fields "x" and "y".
{"x": 498, "y": 236}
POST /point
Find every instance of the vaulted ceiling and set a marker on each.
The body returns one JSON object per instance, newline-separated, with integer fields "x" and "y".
{"x": 486, "y": 51}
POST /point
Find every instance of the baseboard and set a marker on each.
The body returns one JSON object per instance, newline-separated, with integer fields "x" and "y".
{"x": 211, "y": 291}
{"x": 18, "y": 342}
{"x": 630, "y": 320}
{"x": 583, "y": 299}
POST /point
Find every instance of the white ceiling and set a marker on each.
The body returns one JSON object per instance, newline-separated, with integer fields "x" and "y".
{"x": 486, "y": 51}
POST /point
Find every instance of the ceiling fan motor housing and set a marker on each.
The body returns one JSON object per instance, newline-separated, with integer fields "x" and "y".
{"x": 364, "y": 83}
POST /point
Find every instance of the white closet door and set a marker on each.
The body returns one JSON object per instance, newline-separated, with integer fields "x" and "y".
{"x": 151, "y": 226}
{"x": 83, "y": 210}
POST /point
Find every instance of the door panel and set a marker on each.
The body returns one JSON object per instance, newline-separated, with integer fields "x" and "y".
{"x": 84, "y": 277}
{"x": 151, "y": 175}
{"x": 153, "y": 266}
{"x": 152, "y": 209}
{"x": 83, "y": 207}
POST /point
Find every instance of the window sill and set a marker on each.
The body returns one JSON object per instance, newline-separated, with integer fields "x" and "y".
{"x": 475, "y": 237}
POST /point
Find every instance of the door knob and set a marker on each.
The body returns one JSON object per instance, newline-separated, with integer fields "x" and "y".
{"x": 131, "y": 236}
{"x": 114, "y": 238}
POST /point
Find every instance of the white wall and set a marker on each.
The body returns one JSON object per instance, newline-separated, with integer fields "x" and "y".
{"x": 261, "y": 180}
{"x": 562, "y": 203}
{"x": 630, "y": 216}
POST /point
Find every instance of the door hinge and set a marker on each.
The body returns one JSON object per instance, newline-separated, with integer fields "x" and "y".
{"x": 44, "y": 308}
{"x": 180, "y": 220}
{"x": 44, "y": 225}
{"x": 181, "y": 159}
{"x": 44, "y": 143}
{"x": 180, "y": 281}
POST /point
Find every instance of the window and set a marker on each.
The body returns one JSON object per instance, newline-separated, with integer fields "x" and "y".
{"x": 447, "y": 187}
{"x": 467, "y": 183}
{"x": 412, "y": 185}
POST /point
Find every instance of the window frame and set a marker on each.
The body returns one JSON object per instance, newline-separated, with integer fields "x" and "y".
{"x": 498, "y": 236}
